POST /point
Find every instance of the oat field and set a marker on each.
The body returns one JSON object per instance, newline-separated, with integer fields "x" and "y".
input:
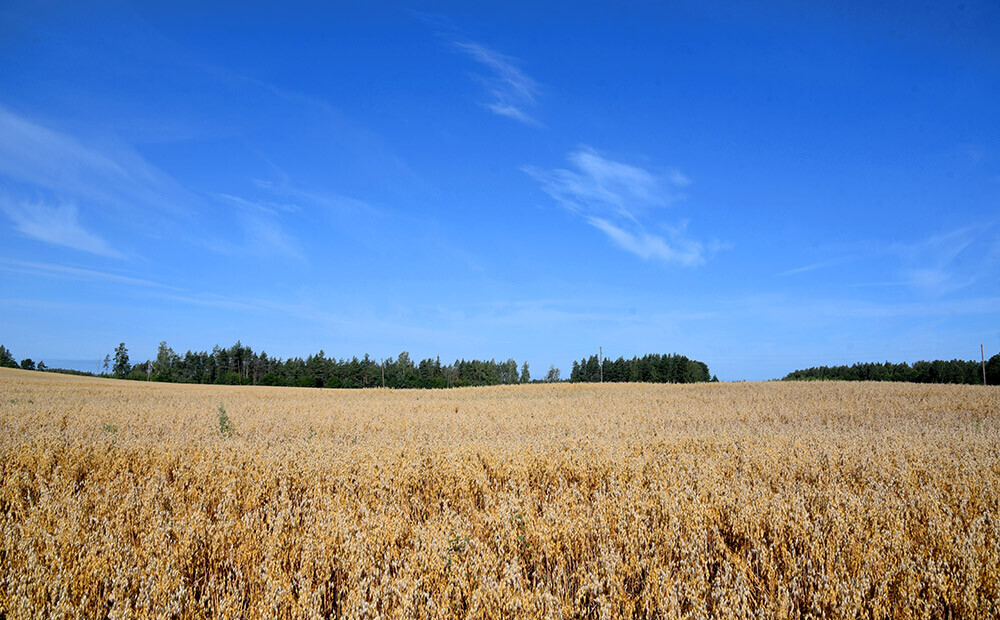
{"x": 749, "y": 500}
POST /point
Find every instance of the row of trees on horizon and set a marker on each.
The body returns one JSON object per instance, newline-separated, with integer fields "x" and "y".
{"x": 240, "y": 365}
{"x": 7, "y": 360}
{"x": 651, "y": 368}
{"x": 938, "y": 371}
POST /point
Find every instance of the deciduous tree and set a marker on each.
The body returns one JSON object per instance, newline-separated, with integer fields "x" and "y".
{"x": 121, "y": 367}
{"x": 6, "y": 359}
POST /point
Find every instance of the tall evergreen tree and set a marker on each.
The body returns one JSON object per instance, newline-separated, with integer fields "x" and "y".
{"x": 121, "y": 367}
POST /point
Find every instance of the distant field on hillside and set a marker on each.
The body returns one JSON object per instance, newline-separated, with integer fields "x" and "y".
{"x": 829, "y": 499}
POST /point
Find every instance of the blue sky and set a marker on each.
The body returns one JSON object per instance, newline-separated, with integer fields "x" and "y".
{"x": 763, "y": 187}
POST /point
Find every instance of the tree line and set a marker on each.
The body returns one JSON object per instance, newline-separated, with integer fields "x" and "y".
{"x": 937, "y": 371}
{"x": 651, "y": 368}
{"x": 241, "y": 365}
{"x": 7, "y": 360}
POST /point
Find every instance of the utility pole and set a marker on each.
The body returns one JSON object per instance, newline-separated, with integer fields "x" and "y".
{"x": 381, "y": 362}
{"x": 982, "y": 354}
{"x": 600, "y": 358}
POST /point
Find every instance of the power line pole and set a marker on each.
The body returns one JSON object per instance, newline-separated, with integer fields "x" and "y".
{"x": 601, "y": 358}
{"x": 982, "y": 353}
{"x": 381, "y": 362}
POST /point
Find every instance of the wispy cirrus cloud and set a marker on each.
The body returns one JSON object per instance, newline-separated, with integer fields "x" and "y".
{"x": 793, "y": 311}
{"x": 512, "y": 92}
{"x": 292, "y": 197}
{"x": 619, "y": 199}
{"x": 64, "y": 190}
{"x": 266, "y": 237}
{"x": 34, "y": 268}
{"x": 815, "y": 266}
{"x": 679, "y": 249}
{"x": 261, "y": 217}
{"x": 596, "y": 185}
{"x": 937, "y": 264}
{"x": 263, "y": 232}
{"x": 57, "y": 162}
{"x": 940, "y": 263}
{"x": 270, "y": 207}
{"x": 54, "y": 182}
{"x": 55, "y": 224}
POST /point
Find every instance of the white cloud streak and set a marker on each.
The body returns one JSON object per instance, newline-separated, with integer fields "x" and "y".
{"x": 263, "y": 233}
{"x": 58, "y": 225}
{"x": 60, "y": 163}
{"x": 265, "y": 237}
{"x": 934, "y": 265}
{"x": 75, "y": 273}
{"x": 646, "y": 246}
{"x": 601, "y": 185}
{"x": 815, "y": 266}
{"x": 938, "y": 264}
{"x": 264, "y": 206}
{"x": 512, "y": 91}
{"x": 86, "y": 187}
{"x": 617, "y": 199}
{"x": 788, "y": 312}
{"x": 53, "y": 183}
{"x": 261, "y": 219}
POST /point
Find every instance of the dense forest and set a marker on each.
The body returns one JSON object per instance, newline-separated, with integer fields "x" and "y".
{"x": 648, "y": 368}
{"x": 241, "y": 365}
{"x": 938, "y": 371}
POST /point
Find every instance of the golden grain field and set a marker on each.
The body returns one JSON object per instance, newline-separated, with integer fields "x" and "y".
{"x": 773, "y": 500}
